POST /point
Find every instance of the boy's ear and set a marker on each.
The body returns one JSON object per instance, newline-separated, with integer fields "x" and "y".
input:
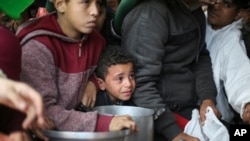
{"x": 101, "y": 83}
{"x": 60, "y": 5}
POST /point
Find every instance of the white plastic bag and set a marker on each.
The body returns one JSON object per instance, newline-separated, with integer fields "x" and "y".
{"x": 212, "y": 130}
{"x": 193, "y": 127}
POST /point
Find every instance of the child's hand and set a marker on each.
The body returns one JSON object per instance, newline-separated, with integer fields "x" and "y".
{"x": 246, "y": 114}
{"x": 122, "y": 122}
{"x": 89, "y": 95}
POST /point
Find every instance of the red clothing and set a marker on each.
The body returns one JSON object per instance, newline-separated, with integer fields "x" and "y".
{"x": 59, "y": 68}
{"x": 10, "y": 54}
{"x": 181, "y": 121}
{"x": 10, "y": 64}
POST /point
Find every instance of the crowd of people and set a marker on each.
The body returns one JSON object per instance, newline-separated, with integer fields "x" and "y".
{"x": 169, "y": 56}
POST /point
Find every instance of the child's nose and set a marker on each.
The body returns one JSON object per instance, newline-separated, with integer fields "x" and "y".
{"x": 94, "y": 9}
{"x": 128, "y": 82}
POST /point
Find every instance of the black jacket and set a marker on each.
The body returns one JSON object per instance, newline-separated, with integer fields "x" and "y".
{"x": 173, "y": 67}
{"x": 102, "y": 98}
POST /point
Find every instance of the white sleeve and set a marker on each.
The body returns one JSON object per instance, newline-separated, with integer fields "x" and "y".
{"x": 236, "y": 75}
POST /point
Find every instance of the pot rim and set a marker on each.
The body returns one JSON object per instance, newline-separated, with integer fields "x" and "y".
{"x": 101, "y": 110}
{"x": 86, "y": 135}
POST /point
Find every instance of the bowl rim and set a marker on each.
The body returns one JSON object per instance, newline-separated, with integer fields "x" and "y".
{"x": 99, "y": 109}
{"x": 85, "y": 135}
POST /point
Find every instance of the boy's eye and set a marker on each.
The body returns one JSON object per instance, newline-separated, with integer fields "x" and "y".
{"x": 85, "y": 1}
{"x": 120, "y": 78}
{"x": 132, "y": 76}
{"x": 227, "y": 4}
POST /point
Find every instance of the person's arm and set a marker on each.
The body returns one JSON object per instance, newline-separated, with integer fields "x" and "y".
{"x": 144, "y": 39}
{"x": 89, "y": 95}
{"x": 236, "y": 77}
{"x": 205, "y": 86}
{"x": 202, "y": 68}
{"x": 39, "y": 70}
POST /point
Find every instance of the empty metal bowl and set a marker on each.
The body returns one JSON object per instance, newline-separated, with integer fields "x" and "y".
{"x": 143, "y": 117}
{"x": 86, "y": 136}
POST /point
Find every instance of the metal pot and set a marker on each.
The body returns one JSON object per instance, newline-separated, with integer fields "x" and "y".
{"x": 86, "y": 136}
{"x": 143, "y": 117}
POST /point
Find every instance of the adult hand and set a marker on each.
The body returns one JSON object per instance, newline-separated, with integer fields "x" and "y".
{"x": 15, "y": 136}
{"x": 185, "y": 137}
{"x": 22, "y": 97}
{"x": 246, "y": 114}
{"x": 122, "y": 122}
{"x": 203, "y": 109}
{"x": 89, "y": 95}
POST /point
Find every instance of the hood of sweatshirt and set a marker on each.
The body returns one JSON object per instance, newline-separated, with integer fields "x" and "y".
{"x": 46, "y": 25}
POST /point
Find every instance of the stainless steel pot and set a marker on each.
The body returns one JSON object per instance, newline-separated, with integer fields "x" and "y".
{"x": 86, "y": 136}
{"x": 143, "y": 117}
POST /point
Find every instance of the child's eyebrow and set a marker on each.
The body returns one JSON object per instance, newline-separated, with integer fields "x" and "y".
{"x": 228, "y": 1}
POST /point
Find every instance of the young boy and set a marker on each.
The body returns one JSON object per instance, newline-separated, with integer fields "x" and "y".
{"x": 231, "y": 65}
{"x": 115, "y": 77}
{"x": 59, "y": 55}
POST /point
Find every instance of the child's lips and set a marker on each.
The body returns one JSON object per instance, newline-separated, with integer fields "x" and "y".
{"x": 92, "y": 24}
{"x": 127, "y": 93}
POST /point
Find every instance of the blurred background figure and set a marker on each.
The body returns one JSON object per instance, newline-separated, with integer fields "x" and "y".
{"x": 21, "y": 106}
{"x": 113, "y": 4}
{"x": 29, "y": 13}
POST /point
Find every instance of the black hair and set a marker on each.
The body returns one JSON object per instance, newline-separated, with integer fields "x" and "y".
{"x": 242, "y": 4}
{"x": 111, "y": 55}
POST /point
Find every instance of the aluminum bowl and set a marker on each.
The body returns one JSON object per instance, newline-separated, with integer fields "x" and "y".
{"x": 86, "y": 136}
{"x": 143, "y": 117}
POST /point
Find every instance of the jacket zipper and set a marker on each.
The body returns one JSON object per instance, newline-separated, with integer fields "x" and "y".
{"x": 80, "y": 50}
{"x": 200, "y": 34}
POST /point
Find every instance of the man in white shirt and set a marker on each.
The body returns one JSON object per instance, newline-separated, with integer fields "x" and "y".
{"x": 231, "y": 66}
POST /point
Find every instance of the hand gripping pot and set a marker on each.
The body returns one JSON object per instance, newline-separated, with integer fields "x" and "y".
{"x": 86, "y": 136}
{"x": 143, "y": 117}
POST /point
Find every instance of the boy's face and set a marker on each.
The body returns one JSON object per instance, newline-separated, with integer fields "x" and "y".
{"x": 119, "y": 82}
{"x": 222, "y": 14}
{"x": 78, "y": 16}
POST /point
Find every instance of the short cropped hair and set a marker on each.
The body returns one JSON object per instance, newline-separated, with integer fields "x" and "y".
{"x": 111, "y": 55}
{"x": 242, "y": 4}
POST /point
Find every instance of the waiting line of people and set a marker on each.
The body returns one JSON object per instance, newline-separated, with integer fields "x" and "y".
{"x": 172, "y": 66}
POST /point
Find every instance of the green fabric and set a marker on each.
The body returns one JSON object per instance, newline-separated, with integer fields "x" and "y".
{"x": 123, "y": 9}
{"x": 50, "y": 6}
{"x": 14, "y": 8}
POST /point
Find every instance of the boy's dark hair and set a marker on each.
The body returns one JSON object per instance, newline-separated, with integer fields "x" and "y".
{"x": 112, "y": 55}
{"x": 242, "y": 4}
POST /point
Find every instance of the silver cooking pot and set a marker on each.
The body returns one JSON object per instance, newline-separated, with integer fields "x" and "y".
{"x": 86, "y": 136}
{"x": 143, "y": 117}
